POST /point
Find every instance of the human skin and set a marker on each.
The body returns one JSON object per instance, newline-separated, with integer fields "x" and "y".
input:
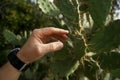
{"x": 41, "y": 42}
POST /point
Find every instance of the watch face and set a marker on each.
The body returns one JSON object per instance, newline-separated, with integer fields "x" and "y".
{"x": 15, "y": 61}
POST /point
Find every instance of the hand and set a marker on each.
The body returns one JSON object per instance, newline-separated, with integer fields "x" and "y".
{"x": 41, "y": 42}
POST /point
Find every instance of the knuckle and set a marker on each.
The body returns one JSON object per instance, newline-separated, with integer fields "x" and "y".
{"x": 51, "y": 28}
{"x": 52, "y": 47}
{"x": 34, "y": 31}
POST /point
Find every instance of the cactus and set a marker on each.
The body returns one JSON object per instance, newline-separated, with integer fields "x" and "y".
{"x": 90, "y": 38}
{"x": 99, "y": 11}
{"x": 13, "y": 39}
{"x": 48, "y": 8}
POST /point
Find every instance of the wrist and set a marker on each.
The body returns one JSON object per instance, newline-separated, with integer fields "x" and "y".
{"x": 8, "y": 72}
{"x": 13, "y": 69}
{"x": 22, "y": 57}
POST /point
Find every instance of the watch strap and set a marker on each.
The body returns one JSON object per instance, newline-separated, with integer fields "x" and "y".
{"x": 15, "y": 61}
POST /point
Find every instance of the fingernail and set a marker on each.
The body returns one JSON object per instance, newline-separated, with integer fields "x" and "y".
{"x": 67, "y": 31}
{"x": 59, "y": 44}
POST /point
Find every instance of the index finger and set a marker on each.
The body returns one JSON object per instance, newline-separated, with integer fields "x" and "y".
{"x": 52, "y": 31}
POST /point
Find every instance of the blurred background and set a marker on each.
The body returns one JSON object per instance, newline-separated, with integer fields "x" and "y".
{"x": 17, "y": 20}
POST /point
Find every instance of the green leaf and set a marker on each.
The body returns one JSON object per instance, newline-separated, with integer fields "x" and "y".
{"x": 3, "y": 56}
{"x": 64, "y": 68}
{"x": 67, "y": 9}
{"x": 48, "y": 8}
{"x": 99, "y": 9}
{"x": 78, "y": 49}
{"x": 28, "y": 74}
{"x": 116, "y": 73}
{"x": 109, "y": 61}
{"x": 73, "y": 48}
{"x": 11, "y": 37}
{"x": 22, "y": 41}
{"x": 62, "y": 54}
{"x": 65, "y": 61}
{"x": 107, "y": 39}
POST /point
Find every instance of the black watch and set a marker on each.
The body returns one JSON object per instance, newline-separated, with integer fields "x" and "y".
{"x": 15, "y": 61}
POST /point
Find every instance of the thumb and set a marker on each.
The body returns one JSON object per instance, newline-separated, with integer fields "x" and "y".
{"x": 51, "y": 47}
